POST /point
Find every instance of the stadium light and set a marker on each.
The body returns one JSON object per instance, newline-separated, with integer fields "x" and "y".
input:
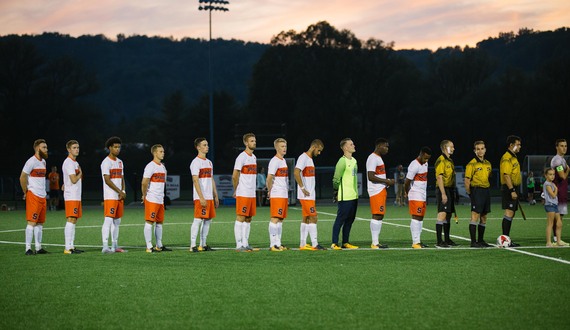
{"x": 212, "y": 5}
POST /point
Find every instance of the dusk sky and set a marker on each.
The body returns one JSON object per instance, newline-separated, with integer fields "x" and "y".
{"x": 409, "y": 23}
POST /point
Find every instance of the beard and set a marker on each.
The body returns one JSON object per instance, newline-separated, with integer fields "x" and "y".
{"x": 43, "y": 155}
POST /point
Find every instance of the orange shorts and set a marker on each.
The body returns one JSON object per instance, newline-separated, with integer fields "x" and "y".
{"x": 207, "y": 212}
{"x": 417, "y": 208}
{"x": 114, "y": 208}
{"x": 153, "y": 212}
{"x": 309, "y": 208}
{"x": 245, "y": 206}
{"x": 278, "y": 207}
{"x": 378, "y": 203}
{"x": 73, "y": 209}
{"x": 35, "y": 208}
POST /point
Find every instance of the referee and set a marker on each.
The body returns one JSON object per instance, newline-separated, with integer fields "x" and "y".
{"x": 510, "y": 182}
{"x": 445, "y": 193}
{"x": 477, "y": 173}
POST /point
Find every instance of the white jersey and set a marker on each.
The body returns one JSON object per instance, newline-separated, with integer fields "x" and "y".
{"x": 307, "y": 167}
{"x": 203, "y": 169}
{"x": 278, "y": 168}
{"x": 418, "y": 174}
{"x": 114, "y": 169}
{"x": 247, "y": 165}
{"x": 36, "y": 170}
{"x": 72, "y": 191}
{"x": 558, "y": 161}
{"x": 375, "y": 164}
{"x": 156, "y": 172}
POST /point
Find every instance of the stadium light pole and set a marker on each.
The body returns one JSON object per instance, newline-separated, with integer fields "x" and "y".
{"x": 209, "y": 6}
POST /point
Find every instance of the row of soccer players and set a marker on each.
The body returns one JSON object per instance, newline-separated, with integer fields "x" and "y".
{"x": 244, "y": 183}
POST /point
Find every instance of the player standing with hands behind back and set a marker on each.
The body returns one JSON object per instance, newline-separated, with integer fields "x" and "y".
{"x": 72, "y": 183}
{"x": 510, "y": 182}
{"x": 244, "y": 179}
{"x": 278, "y": 193}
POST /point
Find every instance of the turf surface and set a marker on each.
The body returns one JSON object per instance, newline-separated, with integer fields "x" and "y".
{"x": 362, "y": 289}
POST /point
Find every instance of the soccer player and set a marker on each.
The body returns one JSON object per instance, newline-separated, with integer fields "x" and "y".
{"x": 445, "y": 193}
{"x": 53, "y": 178}
{"x": 377, "y": 185}
{"x": 72, "y": 182}
{"x": 345, "y": 192}
{"x": 244, "y": 182}
{"x": 510, "y": 181}
{"x": 304, "y": 174}
{"x": 278, "y": 193}
{"x": 205, "y": 196}
{"x": 152, "y": 186}
{"x": 33, "y": 183}
{"x": 415, "y": 187}
{"x": 562, "y": 170}
{"x": 477, "y": 186}
{"x": 112, "y": 171}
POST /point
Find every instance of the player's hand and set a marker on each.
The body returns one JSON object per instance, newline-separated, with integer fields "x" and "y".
{"x": 216, "y": 202}
{"x": 335, "y": 196}
{"x": 444, "y": 199}
{"x": 203, "y": 202}
{"x": 306, "y": 192}
{"x": 122, "y": 195}
{"x": 514, "y": 195}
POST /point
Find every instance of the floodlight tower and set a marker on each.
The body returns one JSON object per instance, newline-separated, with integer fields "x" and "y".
{"x": 210, "y": 5}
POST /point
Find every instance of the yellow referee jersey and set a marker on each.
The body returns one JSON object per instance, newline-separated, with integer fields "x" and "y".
{"x": 445, "y": 167}
{"x": 510, "y": 165}
{"x": 478, "y": 171}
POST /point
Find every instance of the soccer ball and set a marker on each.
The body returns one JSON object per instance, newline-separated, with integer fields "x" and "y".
{"x": 503, "y": 241}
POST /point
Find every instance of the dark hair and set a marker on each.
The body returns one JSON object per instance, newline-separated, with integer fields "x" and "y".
{"x": 70, "y": 143}
{"x": 559, "y": 141}
{"x": 512, "y": 139}
{"x": 317, "y": 143}
{"x": 380, "y": 141}
{"x": 344, "y": 141}
{"x": 113, "y": 140}
{"x": 38, "y": 142}
{"x": 478, "y": 142}
{"x": 425, "y": 150}
{"x": 154, "y": 147}
{"x": 197, "y": 141}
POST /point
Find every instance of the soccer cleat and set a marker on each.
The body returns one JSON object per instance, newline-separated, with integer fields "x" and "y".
{"x": 207, "y": 248}
{"x": 30, "y": 252}
{"x": 106, "y": 250}
{"x": 119, "y": 250}
{"x": 349, "y": 246}
{"x": 476, "y": 245}
{"x": 423, "y": 245}
{"x": 275, "y": 248}
{"x": 417, "y": 246}
{"x": 442, "y": 245}
{"x": 284, "y": 248}
{"x": 249, "y": 249}
{"x": 319, "y": 247}
{"x": 164, "y": 249}
{"x": 451, "y": 243}
{"x": 307, "y": 247}
{"x": 513, "y": 244}
{"x": 378, "y": 246}
{"x": 77, "y": 250}
{"x": 152, "y": 250}
{"x": 484, "y": 244}
{"x": 194, "y": 249}
{"x": 335, "y": 247}
{"x": 41, "y": 251}
{"x": 71, "y": 251}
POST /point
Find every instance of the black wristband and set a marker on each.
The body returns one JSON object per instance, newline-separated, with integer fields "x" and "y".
{"x": 513, "y": 189}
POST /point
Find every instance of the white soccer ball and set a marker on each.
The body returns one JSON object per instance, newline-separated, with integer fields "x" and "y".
{"x": 503, "y": 241}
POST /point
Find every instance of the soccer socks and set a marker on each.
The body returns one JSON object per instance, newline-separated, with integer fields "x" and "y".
{"x": 507, "y": 222}
{"x": 68, "y": 231}
{"x": 482, "y": 227}
{"x": 158, "y": 234}
{"x": 105, "y": 230}
{"x": 205, "y": 230}
{"x": 438, "y": 230}
{"x": 194, "y": 231}
{"x": 279, "y": 231}
{"x": 473, "y": 231}
{"x": 148, "y": 235}
{"x": 245, "y": 228}
{"x": 375, "y": 228}
{"x": 115, "y": 232}
{"x": 312, "y": 229}
{"x": 29, "y": 236}
{"x": 273, "y": 234}
{"x": 304, "y": 234}
{"x": 238, "y": 234}
{"x": 38, "y": 230}
{"x": 446, "y": 230}
{"x": 416, "y": 229}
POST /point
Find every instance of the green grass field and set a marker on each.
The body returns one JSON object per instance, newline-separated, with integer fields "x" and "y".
{"x": 459, "y": 288}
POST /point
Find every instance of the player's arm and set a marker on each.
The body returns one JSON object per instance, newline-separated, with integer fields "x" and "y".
{"x": 24, "y": 182}
{"x": 196, "y": 182}
{"x": 144, "y": 187}
{"x": 269, "y": 184}
{"x": 299, "y": 180}
{"x": 373, "y": 178}
{"x": 109, "y": 182}
{"x": 407, "y": 186}
{"x": 235, "y": 180}
{"x": 338, "y": 170}
{"x": 563, "y": 172}
{"x": 441, "y": 187}
{"x": 552, "y": 191}
{"x": 215, "y": 193}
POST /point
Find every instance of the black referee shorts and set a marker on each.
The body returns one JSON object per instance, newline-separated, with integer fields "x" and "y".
{"x": 480, "y": 200}
{"x": 448, "y": 207}
{"x": 508, "y": 202}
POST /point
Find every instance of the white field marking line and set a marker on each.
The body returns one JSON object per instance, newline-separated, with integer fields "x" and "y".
{"x": 466, "y": 239}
